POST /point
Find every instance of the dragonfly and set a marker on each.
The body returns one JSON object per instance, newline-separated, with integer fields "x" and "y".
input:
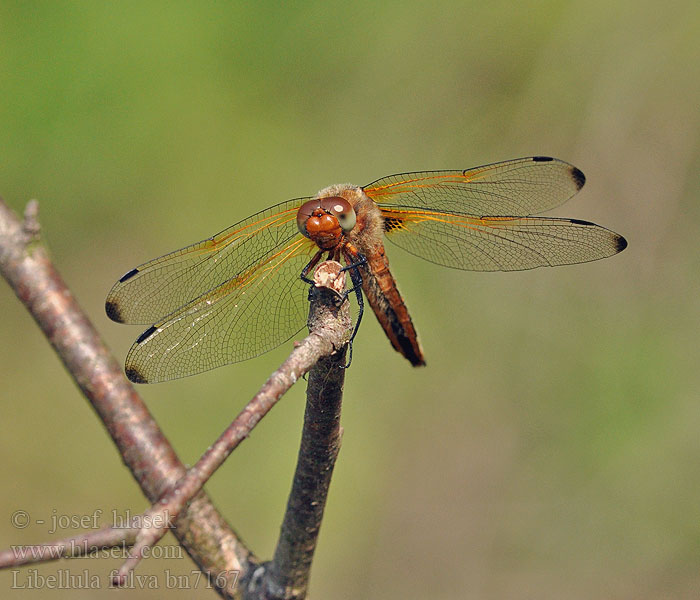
{"x": 244, "y": 291}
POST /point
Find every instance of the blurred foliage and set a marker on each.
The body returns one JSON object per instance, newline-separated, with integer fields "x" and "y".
{"x": 550, "y": 448}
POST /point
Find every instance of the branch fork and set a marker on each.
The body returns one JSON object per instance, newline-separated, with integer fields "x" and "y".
{"x": 178, "y": 499}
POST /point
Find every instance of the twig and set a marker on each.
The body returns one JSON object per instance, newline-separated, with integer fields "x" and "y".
{"x": 329, "y": 324}
{"x": 199, "y": 527}
{"x": 72, "y": 547}
{"x": 202, "y": 531}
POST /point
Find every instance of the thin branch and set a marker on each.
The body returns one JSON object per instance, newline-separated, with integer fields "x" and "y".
{"x": 199, "y": 527}
{"x": 202, "y": 531}
{"x": 72, "y": 547}
{"x": 329, "y": 324}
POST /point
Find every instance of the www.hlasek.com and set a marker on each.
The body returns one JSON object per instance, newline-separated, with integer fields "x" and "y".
{"x": 86, "y": 545}
{"x": 65, "y": 579}
{"x": 84, "y": 549}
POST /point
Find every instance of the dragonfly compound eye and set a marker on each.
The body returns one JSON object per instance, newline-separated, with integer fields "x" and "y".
{"x": 341, "y": 209}
{"x": 321, "y": 227}
{"x": 305, "y": 212}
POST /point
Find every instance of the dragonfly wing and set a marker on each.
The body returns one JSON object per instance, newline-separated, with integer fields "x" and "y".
{"x": 499, "y": 243}
{"x": 243, "y": 317}
{"x": 524, "y": 186}
{"x": 163, "y": 285}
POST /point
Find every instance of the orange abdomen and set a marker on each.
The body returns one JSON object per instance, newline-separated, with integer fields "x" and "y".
{"x": 383, "y": 296}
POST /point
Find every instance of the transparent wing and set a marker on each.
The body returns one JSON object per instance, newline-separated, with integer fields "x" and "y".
{"x": 520, "y": 187}
{"x": 498, "y": 243}
{"x": 163, "y": 285}
{"x": 243, "y": 317}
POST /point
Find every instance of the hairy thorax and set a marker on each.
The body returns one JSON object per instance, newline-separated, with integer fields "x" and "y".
{"x": 367, "y": 234}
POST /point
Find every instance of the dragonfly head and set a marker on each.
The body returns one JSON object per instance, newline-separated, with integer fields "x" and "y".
{"x": 325, "y": 220}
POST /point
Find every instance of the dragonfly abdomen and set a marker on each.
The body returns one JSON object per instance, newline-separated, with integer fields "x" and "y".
{"x": 386, "y": 302}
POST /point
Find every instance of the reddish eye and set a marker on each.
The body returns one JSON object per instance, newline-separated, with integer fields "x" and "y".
{"x": 336, "y": 206}
{"x": 341, "y": 209}
{"x": 304, "y": 213}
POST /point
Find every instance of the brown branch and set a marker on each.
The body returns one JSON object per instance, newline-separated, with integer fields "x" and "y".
{"x": 202, "y": 531}
{"x": 72, "y": 547}
{"x": 329, "y": 324}
{"x": 287, "y": 576}
{"x": 145, "y": 450}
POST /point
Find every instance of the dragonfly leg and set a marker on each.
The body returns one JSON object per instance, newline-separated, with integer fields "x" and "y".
{"x": 312, "y": 263}
{"x": 356, "y": 261}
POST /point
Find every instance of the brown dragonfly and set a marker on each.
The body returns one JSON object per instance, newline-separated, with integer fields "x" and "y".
{"x": 238, "y": 294}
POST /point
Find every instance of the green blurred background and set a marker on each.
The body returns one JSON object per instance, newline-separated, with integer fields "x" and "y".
{"x": 550, "y": 449}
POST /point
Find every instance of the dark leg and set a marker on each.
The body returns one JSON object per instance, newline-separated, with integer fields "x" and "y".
{"x": 357, "y": 260}
{"x": 356, "y": 277}
{"x": 312, "y": 263}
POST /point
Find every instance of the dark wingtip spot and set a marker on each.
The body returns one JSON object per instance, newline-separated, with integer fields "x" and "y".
{"x": 578, "y": 177}
{"x": 621, "y": 243}
{"x": 128, "y": 275}
{"x": 134, "y": 375}
{"x": 542, "y": 158}
{"x": 580, "y": 222}
{"x": 146, "y": 334}
{"x": 113, "y": 311}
